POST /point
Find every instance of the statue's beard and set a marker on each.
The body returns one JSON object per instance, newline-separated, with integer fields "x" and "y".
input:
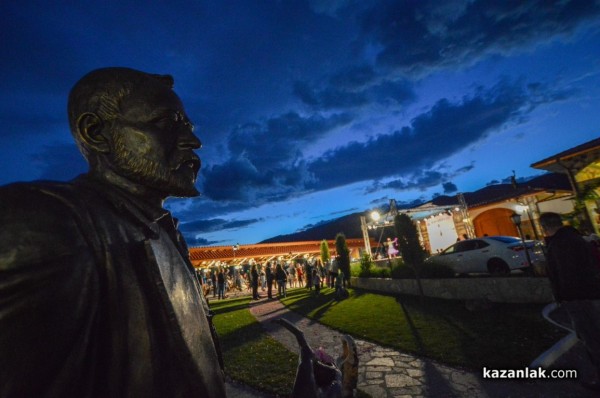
{"x": 151, "y": 174}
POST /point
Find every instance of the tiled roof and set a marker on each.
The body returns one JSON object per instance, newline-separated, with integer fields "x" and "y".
{"x": 264, "y": 251}
{"x": 569, "y": 153}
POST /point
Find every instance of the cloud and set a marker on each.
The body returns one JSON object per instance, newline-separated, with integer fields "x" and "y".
{"x": 420, "y": 180}
{"x": 416, "y": 36}
{"x": 60, "y": 162}
{"x": 267, "y": 162}
{"x": 266, "y": 159}
{"x": 353, "y": 77}
{"x": 329, "y": 98}
{"x": 447, "y": 128}
{"x": 449, "y": 187}
{"x": 346, "y": 91}
{"x": 199, "y": 241}
{"x": 215, "y": 224}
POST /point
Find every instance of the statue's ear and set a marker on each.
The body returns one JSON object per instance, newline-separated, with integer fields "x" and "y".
{"x": 91, "y": 132}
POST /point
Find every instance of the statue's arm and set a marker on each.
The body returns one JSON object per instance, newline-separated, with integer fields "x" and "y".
{"x": 47, "y": 284}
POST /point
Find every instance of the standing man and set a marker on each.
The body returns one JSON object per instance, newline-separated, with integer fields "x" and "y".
{"x": 213, "y": 281}
{"x": 335, "y": 268}
{"x": 97, "y": 293}
{"x": 575, "y": 279}
{"x": 270, "y": 277}
{"x": 254, "y": 282}
{"x": 221, "y": 284}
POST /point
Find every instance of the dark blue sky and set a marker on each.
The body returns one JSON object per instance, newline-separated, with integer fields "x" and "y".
{"x": 310, "y": 110}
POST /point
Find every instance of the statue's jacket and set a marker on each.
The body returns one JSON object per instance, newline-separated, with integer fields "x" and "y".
{"x": 98, "y": 298}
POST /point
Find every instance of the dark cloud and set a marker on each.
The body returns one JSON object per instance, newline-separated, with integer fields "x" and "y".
{"x": 418, "y": 35}
{"x": 215, "y": 224}
{"x": 394, "y": 92}
{"x": 198, "y": 241}
{"x": 432, "y": 136}
{"x": 329, "y": 98}
{"x": 379, "y": 201}
{"x": 267, "y": 162}
{"x": 60, "y": 162}
{"x": 354, "y": 77}
{"x": 266, "y": 159}
{"x": 419, "y": 180}
{"x": 465, "y": 169}
{"x": 449, "y": 187}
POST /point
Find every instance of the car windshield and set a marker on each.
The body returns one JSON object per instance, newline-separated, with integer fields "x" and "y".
{"x": 505, "y": 239}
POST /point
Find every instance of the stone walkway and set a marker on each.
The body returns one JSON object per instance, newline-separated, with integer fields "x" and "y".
{"x": 385, "y": 372}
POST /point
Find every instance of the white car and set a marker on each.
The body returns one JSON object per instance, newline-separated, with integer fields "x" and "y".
{"x": 496, "y": 255}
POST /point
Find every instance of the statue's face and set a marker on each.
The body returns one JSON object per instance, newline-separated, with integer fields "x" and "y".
{"x": 153, "y": 142}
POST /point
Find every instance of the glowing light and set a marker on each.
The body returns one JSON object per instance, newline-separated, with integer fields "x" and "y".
{"x": 375, "y": 216}
{"x": 520, "y": 208}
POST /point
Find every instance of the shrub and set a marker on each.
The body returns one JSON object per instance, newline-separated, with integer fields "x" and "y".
{"x": 343, "y": 255}
{"x": 325, "y": 255}
{"x": 403, "y": 271}
{"x": 380, "y": 273}
{"x": 436, "y": 271}
{"x": 355, "y": 270}
{"x": 365, "y": 263}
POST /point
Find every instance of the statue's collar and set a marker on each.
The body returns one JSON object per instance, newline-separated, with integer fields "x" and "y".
{"x": 138, "y": 209}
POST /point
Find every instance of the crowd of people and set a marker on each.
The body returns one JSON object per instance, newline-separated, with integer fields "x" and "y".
{"x": 273, "y": 277}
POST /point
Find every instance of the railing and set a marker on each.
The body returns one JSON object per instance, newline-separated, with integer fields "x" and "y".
{"x": 563, "y": 345}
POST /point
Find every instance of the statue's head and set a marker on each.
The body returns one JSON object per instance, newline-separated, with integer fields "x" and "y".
{"x": 133, "y": 131}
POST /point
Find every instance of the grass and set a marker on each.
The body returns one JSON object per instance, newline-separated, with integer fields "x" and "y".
{"x": 506, "y": 336}
{"x": 250, "y": 355}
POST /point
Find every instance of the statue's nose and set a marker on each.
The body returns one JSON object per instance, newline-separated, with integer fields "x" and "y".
{"x": 189, "y": 140}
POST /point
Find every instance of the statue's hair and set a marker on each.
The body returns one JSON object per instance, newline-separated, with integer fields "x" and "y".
{"x": 101, "y": 92}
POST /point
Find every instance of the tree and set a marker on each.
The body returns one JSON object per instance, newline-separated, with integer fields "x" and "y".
{"x": 410, "y": 247}
{"x": 325, "y": 256}
{"x": 341, "y": 247}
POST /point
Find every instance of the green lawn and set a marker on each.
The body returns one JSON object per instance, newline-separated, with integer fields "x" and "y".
{"x": 506, "y": 336}
{"x": 250, "y": 355}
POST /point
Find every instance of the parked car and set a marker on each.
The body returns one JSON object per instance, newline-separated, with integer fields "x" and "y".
{"x": 496, "y": 255}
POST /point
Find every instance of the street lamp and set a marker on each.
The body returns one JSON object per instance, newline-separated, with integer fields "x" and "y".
{"x": 235, "y": 248}
{"x": 375, "y": 216}
{"x": 516, "y": 219}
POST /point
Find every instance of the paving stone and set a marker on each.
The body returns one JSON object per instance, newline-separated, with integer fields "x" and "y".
{"x": 415, "y": 372}
{"x": 380, "y": 369}
{"x": 399, "y": 380}
{"x": 400, "y": 395}
{"x": 373, "y": 375}
{"x": 375, "y": 391}
{"x": 381, "y": 362}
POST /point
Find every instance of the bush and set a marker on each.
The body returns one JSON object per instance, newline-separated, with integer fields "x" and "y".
{"x": 365, "y": 263}
{"x": 402, "y": 271}
{"x": 435, "y": 271}
{"x": 380, "y": 273}
{"x": 355, "y": 270}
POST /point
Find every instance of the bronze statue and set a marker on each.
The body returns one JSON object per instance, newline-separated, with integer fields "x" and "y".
{"x": 97, "y": 294}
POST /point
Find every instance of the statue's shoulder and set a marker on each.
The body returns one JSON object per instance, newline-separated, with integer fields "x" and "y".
{"x": 38, "y": 197}
{"x": 39, "y": 219}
